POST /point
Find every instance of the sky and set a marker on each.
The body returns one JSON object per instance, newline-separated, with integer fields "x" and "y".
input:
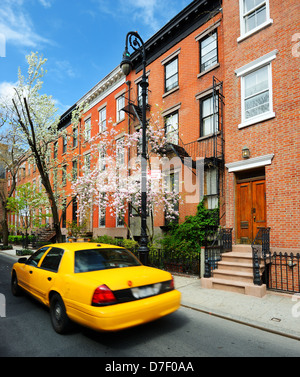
{"x": 82, "y": 40}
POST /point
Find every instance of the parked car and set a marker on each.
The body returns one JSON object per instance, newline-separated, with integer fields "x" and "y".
{"x": 100, "y": 286}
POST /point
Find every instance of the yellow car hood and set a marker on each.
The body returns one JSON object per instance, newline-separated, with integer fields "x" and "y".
{"x": 122, "y": 278}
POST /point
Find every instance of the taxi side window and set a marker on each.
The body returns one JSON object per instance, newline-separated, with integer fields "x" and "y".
{"x": 36, "y": 257}
{"x": 52, "y": 259}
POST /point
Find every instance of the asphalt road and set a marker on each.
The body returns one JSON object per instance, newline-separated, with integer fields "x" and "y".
{"x": 26, "y": 331}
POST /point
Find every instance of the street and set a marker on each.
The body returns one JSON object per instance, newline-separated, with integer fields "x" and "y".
{"x": 26, "y": 331}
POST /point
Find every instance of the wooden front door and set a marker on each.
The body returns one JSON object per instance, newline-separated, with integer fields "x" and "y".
{"x": 250, "y": 209}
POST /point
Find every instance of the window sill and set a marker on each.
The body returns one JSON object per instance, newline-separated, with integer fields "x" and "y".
{"x": 208, "y": 136}
{"x": 208, "y": 70}
{"x": 255, "y": 30}
{"x": 170, "y": 91}
{"x": 257, "y": 119}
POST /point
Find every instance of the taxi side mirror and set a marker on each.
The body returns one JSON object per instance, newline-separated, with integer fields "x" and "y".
{"x": 22, "y": 260}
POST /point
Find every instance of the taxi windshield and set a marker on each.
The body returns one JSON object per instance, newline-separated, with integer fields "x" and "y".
{"x": 103, "y": 259}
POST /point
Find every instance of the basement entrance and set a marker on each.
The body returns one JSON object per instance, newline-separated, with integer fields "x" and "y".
{"x": 250, "y": 204}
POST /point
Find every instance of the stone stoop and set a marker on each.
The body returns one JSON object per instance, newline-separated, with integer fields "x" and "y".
{"x": 235, "y": 273}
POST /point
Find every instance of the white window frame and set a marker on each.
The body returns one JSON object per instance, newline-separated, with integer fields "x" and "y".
{"x": 102, "y": 216}
{"x": 243, "y": 72}
{"x": 172, "y": 127}
{"x": 120, "y": 105}
{"x": 102, "y": 120}
{"x": 102, "y": 159}
{"x": 266, "y": 23}
{"x": 87, "y": 129}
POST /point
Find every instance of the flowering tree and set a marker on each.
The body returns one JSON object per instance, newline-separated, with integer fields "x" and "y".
{"x": 115, "y": 182}
{"x": 34, "y": 116}
{"x": 27, "y": 203}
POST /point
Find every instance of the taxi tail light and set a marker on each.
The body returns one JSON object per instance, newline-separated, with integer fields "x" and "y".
{"x": 103, "y": 296}
{"x": 172, "y": 285}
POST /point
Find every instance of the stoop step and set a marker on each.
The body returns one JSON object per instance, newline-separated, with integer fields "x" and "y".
{"x": 235, "y": 273}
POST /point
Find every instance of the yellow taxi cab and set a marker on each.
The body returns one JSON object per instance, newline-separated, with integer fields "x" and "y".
{"x": 100, "y": 286}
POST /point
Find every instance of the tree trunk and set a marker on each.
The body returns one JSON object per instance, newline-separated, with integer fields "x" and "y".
{"x": 4, "y": 225}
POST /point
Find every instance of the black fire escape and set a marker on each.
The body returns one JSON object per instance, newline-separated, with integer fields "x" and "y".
{"x": 209, "y": 148}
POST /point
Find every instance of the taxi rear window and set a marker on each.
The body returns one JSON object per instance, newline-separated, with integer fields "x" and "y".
{"x": 103, "y": 259}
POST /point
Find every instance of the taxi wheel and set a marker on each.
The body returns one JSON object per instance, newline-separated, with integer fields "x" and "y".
{"x": 59, "y": 319}
{"x": 15, "y": 289}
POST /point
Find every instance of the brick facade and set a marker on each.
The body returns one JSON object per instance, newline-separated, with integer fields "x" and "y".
{"x": 279, "y": 135}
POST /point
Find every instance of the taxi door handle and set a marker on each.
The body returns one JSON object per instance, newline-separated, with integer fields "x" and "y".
{"x": 49, "y": 279}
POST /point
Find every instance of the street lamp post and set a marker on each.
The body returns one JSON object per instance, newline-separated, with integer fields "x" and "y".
{"x": 137, "y": 44}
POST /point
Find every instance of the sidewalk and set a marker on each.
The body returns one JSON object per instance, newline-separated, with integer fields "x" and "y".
{"x": 276, "y": 313}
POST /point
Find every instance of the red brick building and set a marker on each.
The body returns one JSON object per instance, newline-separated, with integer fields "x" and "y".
{"x": 224, "y": 77}
{"x": 261, "y": 87}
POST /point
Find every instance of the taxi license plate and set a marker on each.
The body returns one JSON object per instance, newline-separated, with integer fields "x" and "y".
{"x": 142, "y": 292}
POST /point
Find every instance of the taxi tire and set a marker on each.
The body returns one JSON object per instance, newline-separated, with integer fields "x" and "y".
{"x": 59, "y": 319}
{"x": 15, "y": 288}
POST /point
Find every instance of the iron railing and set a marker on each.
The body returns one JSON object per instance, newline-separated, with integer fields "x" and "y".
{"x": 279, "y": 271}
{"x": 260, "y": 253}
{"x": 216, "y": 243}
{"x": 173, "y": 261}
{"x": 283, "y": 272}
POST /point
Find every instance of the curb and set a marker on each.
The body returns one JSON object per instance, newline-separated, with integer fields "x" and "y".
{"x": 242, "y": 321}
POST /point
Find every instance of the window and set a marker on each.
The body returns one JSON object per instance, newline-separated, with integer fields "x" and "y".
{"x": 52, "y": 259}
{"x": 54, "y": 153}
{"x": 209, "y": 122}
{"x": 208, "y": 51}
{"x": 102, "y": 120}
{"x": 75, "y": 137}
{"x": 102, "y": 213}
{"x": 65, "y": 142}
{"x": 74, "y": 210}
{"x": 171, "y": 75}
{"x": 64, "y": 213}
{"x": 102, "y": 154}
{"x": 87, "y": 163}
{"x": 254, "y": 15}
{"x": 212, "y": 188}
{"x": 120, "y": 157}
{"x": 37, "y": 256}
{"x": 87, "y": 129}
{"x": 64, "y": 175}
{"x": 120, "y": 106}
{"x": 172, "y": 187}
{"x": 256, "y": 90}
{"x": 103, "y": 259}
{"x": 256, "y": 93}
{"x": 74, "y": 170}
{"x": 171, "y": 127}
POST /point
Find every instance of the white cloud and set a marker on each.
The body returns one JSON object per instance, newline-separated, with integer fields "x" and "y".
{"x": 46, "y": 3}
{"x": 7, "y": 90}
{"x": 16, "y": 25}
{"x": 152, "y": 13}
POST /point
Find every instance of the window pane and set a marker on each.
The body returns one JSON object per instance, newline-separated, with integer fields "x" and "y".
{"x": 172, "y": 128}
{"x": 256, "y": 82}
{"x": 209, "y": 52}
{"x": 171, "y": 74}
{"x": 255, "y": 18}
{"x": 171, "y": 68}
{"x": 103, "y": 259}
{"x": 257, "y": 105}
{"x": 52, "y": 259}
{"x": 250, "y": 4}
{"x": 36, "y": 257}
{"x": 207, "y": 117}
{"x": 257, "y": 96}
